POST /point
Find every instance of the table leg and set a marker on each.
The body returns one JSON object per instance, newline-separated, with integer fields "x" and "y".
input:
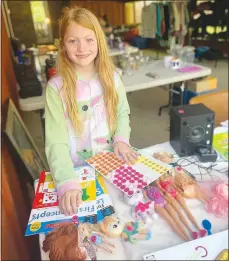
{"x": 182, "y": 88}
{"x": 170, "y": 99}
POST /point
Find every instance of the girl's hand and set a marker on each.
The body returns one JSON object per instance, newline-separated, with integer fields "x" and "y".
{"x": 127, "y": 153}
{"x": 70, "y": 202}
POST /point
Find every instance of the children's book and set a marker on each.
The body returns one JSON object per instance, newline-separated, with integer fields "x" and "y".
{"x": 104, "y": 203}
{"x": 220, "y": 143}
{"x": 46, "y": 215}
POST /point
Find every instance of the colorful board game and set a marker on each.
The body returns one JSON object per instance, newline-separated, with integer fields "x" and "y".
{"x": 46, "y": 215}
{"x": 125, "y": 177}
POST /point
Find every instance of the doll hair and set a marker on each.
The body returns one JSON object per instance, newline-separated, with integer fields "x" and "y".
{"x": 218, "y": 203}
{"x": 62, "y": 244}
{"x": 103, "y": 63}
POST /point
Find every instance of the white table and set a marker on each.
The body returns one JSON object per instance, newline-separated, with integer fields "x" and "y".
{"x": 116, "y": 51}
{"x": 112, "y": 52}
{"x": 162, "y": 235}
{"x": 139, "y": 81}
{"x": 136, "y": 82}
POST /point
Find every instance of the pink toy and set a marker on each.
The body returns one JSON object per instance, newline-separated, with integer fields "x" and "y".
{"x": 144, "y": 212}
{"x": 218, "y": 203}
{"x": 189, "y": 68}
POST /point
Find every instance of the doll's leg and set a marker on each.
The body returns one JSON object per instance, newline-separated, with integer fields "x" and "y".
{"x": 173, "y": 214}
{"x": 177, "y": 207}
{"x": 105, "y": 241}
{"x": 181, "y": 200}
{"x": 104, "y": 247}
{"x": 161, "y": 211}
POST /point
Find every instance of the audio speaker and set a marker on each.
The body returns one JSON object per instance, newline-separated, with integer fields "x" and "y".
{"x": 191, "y": 127}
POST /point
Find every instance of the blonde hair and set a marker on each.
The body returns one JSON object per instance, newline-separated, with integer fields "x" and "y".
{"x": 103, "y": 63}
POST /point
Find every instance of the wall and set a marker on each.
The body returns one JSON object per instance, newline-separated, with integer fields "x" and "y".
{"x": 113, "y": 9}
{"x": 22, "y": 22}
{"x": 16, "y": 205}
{"x": 55, "y": 12}
{"x": 9, "y": 88}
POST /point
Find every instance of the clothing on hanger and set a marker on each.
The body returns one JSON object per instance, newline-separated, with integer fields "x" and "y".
{"x": 149, "y": 21}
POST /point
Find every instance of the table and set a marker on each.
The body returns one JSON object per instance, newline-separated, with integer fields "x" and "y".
{"x": 112, "y": 52}
{"x": 116, "y": 51}
{"x": 163, "y": 76}
{"x": 136, "y": 82}
{"x": 163, "y": 237}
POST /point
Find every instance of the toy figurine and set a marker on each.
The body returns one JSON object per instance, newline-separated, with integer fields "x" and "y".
{"x": 95, "y": 238}
{"x": 111, "y": 227}
{"x": 165, "y": 184}
{"x": 134, "y": 199}
{"x": 186, "y": 185}
{"x": 133, "y": 232}
{"x": 63, "y": 244}
{"x": 166, "y": 210}
{"x": 144, "y": 212}
{"x": 164, "y": 157}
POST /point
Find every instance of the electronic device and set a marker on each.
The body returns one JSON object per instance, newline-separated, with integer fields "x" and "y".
{"x": 206, "y": 154}
{"x": 191, "y": 127}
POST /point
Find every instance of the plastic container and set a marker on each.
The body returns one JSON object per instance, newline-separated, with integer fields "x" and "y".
{"x": 176, "y": 51}
{"x": 189, "y": 54}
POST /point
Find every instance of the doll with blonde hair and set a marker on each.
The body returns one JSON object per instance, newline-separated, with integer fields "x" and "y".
{"x": 86, "y": 108}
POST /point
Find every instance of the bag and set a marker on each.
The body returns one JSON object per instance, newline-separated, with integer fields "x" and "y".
{"x": 28, "y": 82}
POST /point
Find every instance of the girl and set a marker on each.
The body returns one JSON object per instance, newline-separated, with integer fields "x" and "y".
{"x": 86, "y": 106}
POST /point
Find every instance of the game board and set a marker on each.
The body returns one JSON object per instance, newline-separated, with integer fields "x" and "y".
{"x": 46, "y": 215}
{"x": 128, "y": 178}
{"x": 46, "y": 195}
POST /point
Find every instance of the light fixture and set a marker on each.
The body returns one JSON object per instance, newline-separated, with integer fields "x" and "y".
{"x": 47, "y": 20}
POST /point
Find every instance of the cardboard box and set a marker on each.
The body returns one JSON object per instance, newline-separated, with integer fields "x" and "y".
{"x": 206, "y": 84}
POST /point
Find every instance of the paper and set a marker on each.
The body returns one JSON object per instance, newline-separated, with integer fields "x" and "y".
{"x": 220, "y": 143}
{"x": 206, "y": 248}
{"x": 45, "y": 213}
{"x": 128, "y": 179}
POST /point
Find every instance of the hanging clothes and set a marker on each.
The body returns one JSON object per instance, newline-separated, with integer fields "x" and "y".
{"x": 167, "y": 22}
{"x": 149, "y": 21}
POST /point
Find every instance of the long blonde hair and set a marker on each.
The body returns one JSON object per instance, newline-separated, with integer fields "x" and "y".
{"x": 103, "y": 63}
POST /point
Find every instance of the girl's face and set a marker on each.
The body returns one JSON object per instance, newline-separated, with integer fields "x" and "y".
{"x": 80, "y": 44}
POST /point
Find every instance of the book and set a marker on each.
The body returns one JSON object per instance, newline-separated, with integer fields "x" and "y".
{"x": 104, "y": 205}
{"x": 46, "y": 215}
{"x": 220, "y": 144}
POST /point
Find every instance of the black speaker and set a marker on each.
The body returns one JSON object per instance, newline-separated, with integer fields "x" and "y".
{"x": 191, "y": 127}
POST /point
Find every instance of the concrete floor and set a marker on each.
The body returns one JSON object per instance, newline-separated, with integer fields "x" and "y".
{"x": 147, "y": 127}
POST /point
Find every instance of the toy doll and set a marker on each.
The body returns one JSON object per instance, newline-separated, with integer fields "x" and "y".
{"x": 95, "y": 238}
{"x": 143, "y": 212}
{"x": 175, "y": 199}
{"x": 63, "y": 244}
{"x": 131, "y": 231}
